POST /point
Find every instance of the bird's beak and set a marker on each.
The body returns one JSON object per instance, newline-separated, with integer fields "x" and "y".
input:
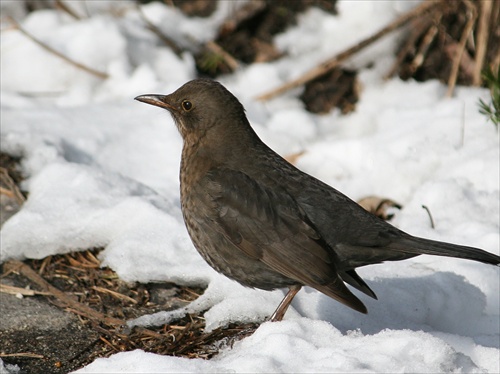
{"x": 157, "y": 100}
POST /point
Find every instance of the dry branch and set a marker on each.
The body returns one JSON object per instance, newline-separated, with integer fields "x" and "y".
{"x": 495, "y": 21}
{"x": 424, "y": 46}
{"x": 10, "y": 188}
{"x": 21, "y": 354}
{"x": 12, "y": 290}
{"x": 153, "y": 28}
{"x": 115, "y": 294}
{"x": 420, "y": 26}
{"x": 51, "y": 50}
{"x": 211, "y": 45}
{"x": 482, "y": 40}
{"x": 64, "y": 7}
{"x": 330, "y": 64}
{"x": 68, "y": 301}
{"x": 183, "y": 338}
{"x": 243, "y": 13}
{"x": 471, "y": 15}
{"x": 226, "y": 57}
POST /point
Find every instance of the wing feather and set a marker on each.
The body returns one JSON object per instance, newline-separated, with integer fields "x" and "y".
{"x": 268, "y": 224}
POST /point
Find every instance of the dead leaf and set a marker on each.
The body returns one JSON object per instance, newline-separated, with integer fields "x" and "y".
{"x": 381, "y": 207}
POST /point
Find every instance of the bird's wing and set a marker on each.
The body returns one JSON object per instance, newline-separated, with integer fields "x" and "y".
{"x": 267, "y": 224}
{"x": 358, "y": 237}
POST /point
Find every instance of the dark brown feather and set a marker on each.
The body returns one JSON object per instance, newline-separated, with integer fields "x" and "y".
{"x": 262, "y": 222}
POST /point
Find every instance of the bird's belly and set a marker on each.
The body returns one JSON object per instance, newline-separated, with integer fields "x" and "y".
{"x": 226, "y": 258}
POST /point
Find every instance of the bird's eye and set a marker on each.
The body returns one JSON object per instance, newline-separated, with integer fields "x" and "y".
{"x": 187, "y": 105}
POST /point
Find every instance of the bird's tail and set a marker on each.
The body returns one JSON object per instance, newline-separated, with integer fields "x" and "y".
{"x": 417, "y": 246}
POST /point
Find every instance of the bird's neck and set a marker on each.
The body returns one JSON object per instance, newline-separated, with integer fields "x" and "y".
{"x": 214, "y": 149}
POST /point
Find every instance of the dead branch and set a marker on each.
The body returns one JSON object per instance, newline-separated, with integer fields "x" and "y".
{"x": 424, "y": 46}
{"x": 22, "y": 354}
{"x": 330, "y": 64}
{"x": 12, "y": 290}
{"x": 471, "y": 15}
{"x": 10, "y": 188}
{"x": 153, "y": 28}
{"x": 211, "y": 45}
{"x": 51, "y": 50}
{"x": 243, "y": 13}
{"x": 420, "y": 26}
{"x": 115, "y": 294}
{"x": 66, "y": 300}
{"x": 482, "y": 40}
{"x": 67, "y": 9}
{"x": 495, "y": 20}
{"x": 226, "y": 57}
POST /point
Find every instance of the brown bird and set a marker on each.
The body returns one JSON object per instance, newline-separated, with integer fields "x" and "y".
{"x": 262, "y": 222}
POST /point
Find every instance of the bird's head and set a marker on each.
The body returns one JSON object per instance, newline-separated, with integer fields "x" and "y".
{"x": 201, "y": 106}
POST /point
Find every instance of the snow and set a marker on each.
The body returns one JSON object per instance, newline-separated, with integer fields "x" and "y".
{"x": 103, "y": 171}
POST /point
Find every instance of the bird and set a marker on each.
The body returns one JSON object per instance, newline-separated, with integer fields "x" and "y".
{"x": 262, "y": 222}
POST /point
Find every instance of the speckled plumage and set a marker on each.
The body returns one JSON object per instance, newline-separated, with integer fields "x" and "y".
{"x": 262, "y": 222}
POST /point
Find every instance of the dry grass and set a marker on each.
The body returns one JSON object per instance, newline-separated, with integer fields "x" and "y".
{"x": 78, "y": 284}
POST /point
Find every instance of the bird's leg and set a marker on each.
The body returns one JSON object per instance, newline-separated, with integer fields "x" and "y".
{"x": 285, "y": 303}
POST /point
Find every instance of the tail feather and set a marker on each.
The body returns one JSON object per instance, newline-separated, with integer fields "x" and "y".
{"x": 414, "y": 245}
{"x": 337, "y": 290}
{"x": 351, "y": 277}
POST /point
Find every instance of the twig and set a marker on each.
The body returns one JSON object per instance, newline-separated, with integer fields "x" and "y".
{"x": 482, "y": 40}
{"x": 108, "y": 343}
{"x": 66, "y": 300}
{"x": 46, "y": 261}
{"x": 22, "y": 354}
{"x": 93, "y": 259}
{"x": 243, "y": 13}
{"x": 424, "y": 46}
{"x": 11, "y": 290}
{"x": 495, "y": 20}
{"x": 430, "y": 216}
{"x": 7, "y": 192}
{"x": 472, "y": 15}
{"x": 417, "y": 30}
{"x": 226, "y": 57}
{"x": 12, "y": 190}
{"x": 328, "y": 65}
{"x": 64, "y": 7}
{"x": 151, "y": 26}
{"x": 85, "y": 68}
{"x": 211, "y": 45}
{"x": 84, "y": 262}
{"x": 115, "y": 294}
